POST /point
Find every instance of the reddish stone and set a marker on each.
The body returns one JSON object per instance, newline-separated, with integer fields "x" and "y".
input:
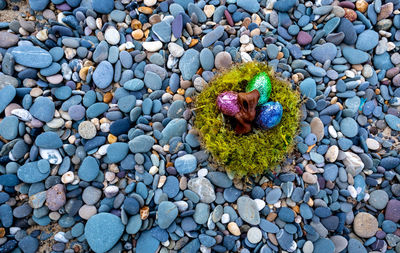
{"x": 303, "y": 38}
{"x": 228, "y": 18}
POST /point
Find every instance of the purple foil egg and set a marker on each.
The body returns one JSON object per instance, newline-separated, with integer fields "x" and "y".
{"x": 227, "y": 102}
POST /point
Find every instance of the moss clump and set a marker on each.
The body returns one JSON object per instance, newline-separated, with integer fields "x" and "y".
{"x": 260, "y": 150}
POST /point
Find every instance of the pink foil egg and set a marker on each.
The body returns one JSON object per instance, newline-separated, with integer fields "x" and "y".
{"x": 227, "y": 102}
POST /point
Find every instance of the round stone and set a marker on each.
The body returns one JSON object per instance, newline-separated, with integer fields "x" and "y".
{"x": 365, "y": 225}
{"x": 87, "y": 130}
{"x": 349, "y": 127}
{"x": 378, "y": 199}
{"x": 223, "y": 60}
{"x": 254, "y": 235}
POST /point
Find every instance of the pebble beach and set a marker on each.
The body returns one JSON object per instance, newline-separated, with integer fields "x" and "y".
{"x": 97, "y": 133}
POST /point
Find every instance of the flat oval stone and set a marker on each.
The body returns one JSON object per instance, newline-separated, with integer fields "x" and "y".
{"x": 141, "y": 144}
{"x": 30, "y": 173}
{"x": 30, "y": 56}
{"x": 248, "y": 210}
{"x": 9, "y": 127}
{"x": 117, "y": 151}
{"x": 103, "y": 74}
{"x": 349, "y": 127}
{"x": 186, "y": 164}
{"x": 7, "y": 94}
{"x": 355, "y": 56}
{"x": 134, "y": 84}
{"x": 89, "y": 169}
{"x": 152, "y": 80}
{"x": 367, "y": 40}
{"x": 167, "y": 212}
{"x": 48, "y": 140}
{"x": 393, "y": 122}
{"x": 43, "y": 109}
{"x": 189, "y": 63}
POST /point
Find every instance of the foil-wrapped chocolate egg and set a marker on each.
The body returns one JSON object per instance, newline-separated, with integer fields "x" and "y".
{"x": 269, "y": 115}
{"x": 227, "y": 103}
{"x": 262, "y": 83}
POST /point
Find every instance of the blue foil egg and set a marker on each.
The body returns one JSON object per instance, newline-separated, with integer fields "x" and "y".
{"x": 269, "y": 115}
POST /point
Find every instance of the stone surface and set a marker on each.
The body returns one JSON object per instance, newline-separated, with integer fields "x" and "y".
{"x": 94, "y": 231}
{"x": 365, "y": 225}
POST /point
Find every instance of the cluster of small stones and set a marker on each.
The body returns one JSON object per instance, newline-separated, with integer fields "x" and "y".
{"x": 97, "y": 128}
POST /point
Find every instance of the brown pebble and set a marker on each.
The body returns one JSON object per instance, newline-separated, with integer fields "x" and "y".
{"x": 144, "y": 212}
{"x": 154, "y": 19}
{"x": 145, "y": 10}
{"x": 271, "y": 216}
{"x": 107, "y": 97}
{"x": 135, "y": 24}
{"x": 246, "y": 22}
{"x": 361, "y": 5}
{"x": 350, "y": 14}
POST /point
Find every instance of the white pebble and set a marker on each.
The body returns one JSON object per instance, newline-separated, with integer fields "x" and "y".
{"x": 245, "y": 57}
{"x": 153, "y": 170}
{"x": 51, "y": 155}
{"x": 352, "y": 191}
{"x": 103, "y": 149}
{"x": 14, "y": 230}
{"x": 260, "y": 204}
{"x": 332, "y": 132}
{"x": 182, "y": 205}
{"x": 244, "y": 39}
{"x": 166, "y": 243}
{"x": 202, "y": 172}
{"x": 372, "y": 144}
{"x": 204, "y": 249}
{"x": 366, "y": 197}
{"x": 225, "y": 218}
{"x": 110, "y": 191}
{"x": 68, "y": 177}
{"x": 149, "y": 2}
{"x": 152, "y": 46}
{"x": 112, "y": 35}
{"x": 254, "y": 235}
{"x": 60, "y": 237}
{"x": 22, "y": 114}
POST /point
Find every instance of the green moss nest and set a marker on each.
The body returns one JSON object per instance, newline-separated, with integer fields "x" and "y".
{"x": 261, "y": 150}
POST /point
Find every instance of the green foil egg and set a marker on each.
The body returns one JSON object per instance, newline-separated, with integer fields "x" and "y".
{"x": 262, "y": 83}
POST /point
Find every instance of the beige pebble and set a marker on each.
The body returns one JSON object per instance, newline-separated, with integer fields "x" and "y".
{"x": 365, "y": 225}
{"x": 209, "y": 10}
{"x": 332, "y": 153}
{"x": 87, "y": 130}
{"x": 87, "y": 211}
{"x": 234, "y": 228}
{"x": 372, "y": 144}
{"x": 309, "y": 178}
{"x": 68, "y": 177}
